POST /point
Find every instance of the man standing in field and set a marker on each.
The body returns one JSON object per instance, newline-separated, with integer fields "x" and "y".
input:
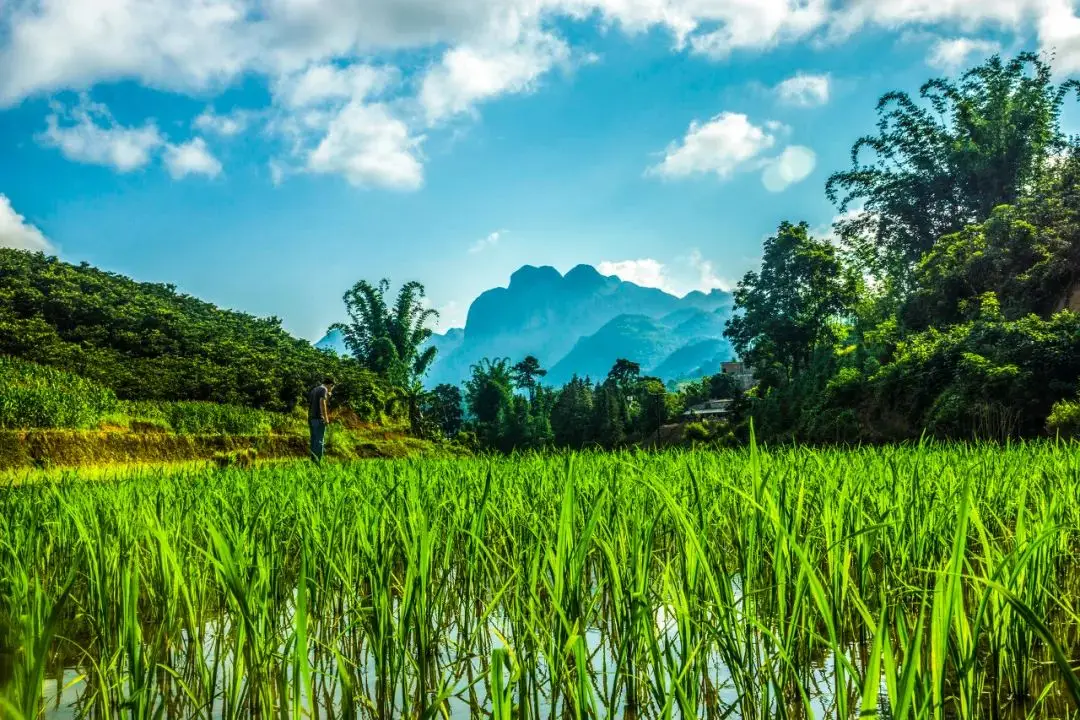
{"x": 319, "y": 417}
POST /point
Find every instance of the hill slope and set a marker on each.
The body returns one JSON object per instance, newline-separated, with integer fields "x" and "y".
{"x": 146, "y": 341}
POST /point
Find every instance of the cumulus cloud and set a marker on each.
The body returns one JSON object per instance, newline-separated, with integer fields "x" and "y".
{"x": 174, "y": 44}
{"x": 731, "y": 143}
{"x": 191, "y": 158}
{"x": 16, "y": 232}
{"x": 687, "y": 274}
{"x": 89, "y": 134}
{"x": 804, "y": 90}
{"x": 327, "y": 82}
{"x": 794, "y": 165}
{"x": 369, "y": 146}
{"x": 469, "y": 74}
{"x": 951, "y": 55}
{"x": 486, "y": 242}
{"x": 317, "y": 55}
{"x": 726, "y": 143}
{"x": 224, "y": 125}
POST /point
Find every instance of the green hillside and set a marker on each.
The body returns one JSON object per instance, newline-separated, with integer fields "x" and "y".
{"x": 146, "y": 341}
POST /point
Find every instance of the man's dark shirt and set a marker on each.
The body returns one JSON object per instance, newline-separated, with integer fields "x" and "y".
{"x": 315, "y": 409}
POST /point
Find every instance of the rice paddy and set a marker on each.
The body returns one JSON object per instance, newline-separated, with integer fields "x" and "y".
{"x": 904, "y": 582}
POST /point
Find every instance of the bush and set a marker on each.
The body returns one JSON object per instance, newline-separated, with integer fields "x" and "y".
{"x": 1064, "y": 419}
{"x": 33, "y": 396}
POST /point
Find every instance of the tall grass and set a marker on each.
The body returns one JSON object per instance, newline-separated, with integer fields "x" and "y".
{"x": 916, "y": 582}
{"x": 34, "y": 396}
{"x": 38, "y": 397}
{"x": 205, "y": 418}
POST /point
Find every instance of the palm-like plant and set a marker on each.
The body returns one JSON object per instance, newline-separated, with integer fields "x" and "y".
{"x": 388, "y": 340}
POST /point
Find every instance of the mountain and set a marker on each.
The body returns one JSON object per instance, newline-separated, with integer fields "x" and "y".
{"x": 580, "y": 323}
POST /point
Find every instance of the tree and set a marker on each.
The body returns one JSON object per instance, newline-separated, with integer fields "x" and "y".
{"x": 723, "y": 387}
{"x": 948, "y": 162}
{"x": 624, "y": 373}
{"x": 388, "y": 340}
{"x": 1027, "y": 254}
{"x": 526, "y": 374}
{"x": 571, "y": 414}
{"x": 791, "y": 307}
{"x": 608, "y": 424}
{"x": 445, "y": 406}
{"x": 489, "y": 396}
{"x": 653, "y": 401}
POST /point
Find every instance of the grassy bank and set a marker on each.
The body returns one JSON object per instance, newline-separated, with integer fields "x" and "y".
{"x": 918, "y": 582}
{"x": 21, "y": 449}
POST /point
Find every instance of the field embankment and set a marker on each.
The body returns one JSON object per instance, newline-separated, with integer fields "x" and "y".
{"x": 77, "y": 448}
{"x": 52, "y": 418}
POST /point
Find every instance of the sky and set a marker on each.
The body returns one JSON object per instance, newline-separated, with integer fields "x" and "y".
{"x": 266, "y": 154}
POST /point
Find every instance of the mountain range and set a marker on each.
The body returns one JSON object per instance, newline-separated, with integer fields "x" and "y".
{"x": 580, "y": 323}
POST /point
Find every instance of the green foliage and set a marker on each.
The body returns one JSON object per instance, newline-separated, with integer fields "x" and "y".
{"x": 527, "y": 374}
{"x": 146, "y": 341}
{"x": 32, "y": 396}
{"x": 792, "y": 306}
{"x": 1064, "y": 419}
{"x": 971, "y": 230}
{"x": 445, "y": 406}
{"x": 922, "y": 581}
{"x": 201, "y": 418}
{"x": 387, "y": 340}
{"x": 942, "y": 164}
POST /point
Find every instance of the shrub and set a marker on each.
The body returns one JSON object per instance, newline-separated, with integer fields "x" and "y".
{"x": 1064, "y": 419}
{"x": 33, "y": 396}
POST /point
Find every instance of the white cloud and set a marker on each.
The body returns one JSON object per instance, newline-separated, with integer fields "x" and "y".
{"x": 794, "y": 165}
{"x": 320, "y": 56}
{"x": 174, "y": 44}
{"x": 968, "y": 13}
{"x": 804, "y": 90}
{"x": 469, "y": 74}
{"x": 687, "y": 274}
{"x": 327, "y": 82}
{"x": 723, "y": 145}
{"x": 1059, "y": 31}
{"x": 16, "y": 232}
{"x": 952, "y": 55}
{"x": 191, "y": 158}
{"x": 752, "y": 24}
{"x": 486, "y": 242}
{"x": 370, "y": 147}
{"x": 108, "y": 143}
{"x": 225, "y": 125}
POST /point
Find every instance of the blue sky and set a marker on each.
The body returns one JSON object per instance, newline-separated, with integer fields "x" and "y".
{"x": 265, "y": 154}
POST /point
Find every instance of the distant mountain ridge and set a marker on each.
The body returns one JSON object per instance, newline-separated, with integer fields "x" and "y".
{"x": 580, "y": 323}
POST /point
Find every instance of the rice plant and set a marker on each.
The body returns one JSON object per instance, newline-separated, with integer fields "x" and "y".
{"x": 902, "y": 582}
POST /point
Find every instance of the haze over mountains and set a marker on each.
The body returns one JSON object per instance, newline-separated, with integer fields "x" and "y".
{"x": 581, "y": 323}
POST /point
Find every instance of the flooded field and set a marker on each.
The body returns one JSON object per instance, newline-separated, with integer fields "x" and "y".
{"x": 920, "y": 582}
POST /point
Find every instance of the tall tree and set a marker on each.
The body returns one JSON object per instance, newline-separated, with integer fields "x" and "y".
{"x": 527, "y": 374}
{"x": 936, "y": 166}
{"x": 624, "y": 373}
{"x": 385, "y": 339}
{"x": 489, "y": 396}
{"x": 790, "y": 307}
{"x": 571, "y": 414}
{"x": 445, "y": 406}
